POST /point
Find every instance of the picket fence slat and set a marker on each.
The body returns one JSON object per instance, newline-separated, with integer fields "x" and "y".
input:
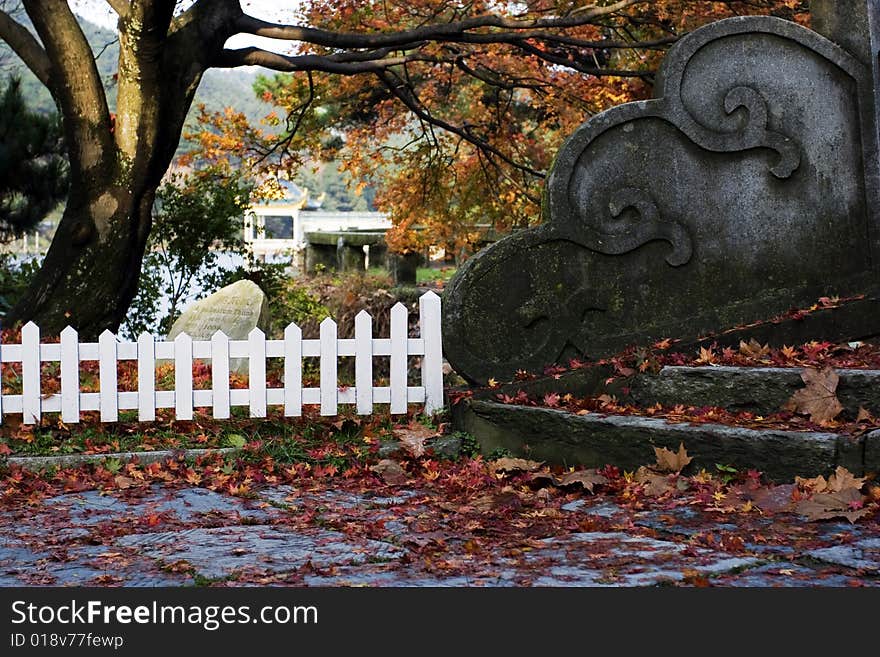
{"x": 329, "y": 367}
{"x": 363, "y": 364}
{"x": 398, "y": 366}
{"x": 107, "y": 377}
{"x": 183, "y": 377}
{"x": 220, "y": 375}
{"x": 257, "y": 373}
{"x": 69, "y": 375}
{"x": 147, "y": 354}
{"x": 30, "y": 373}
{"x": 432, "y": 362}
{"x": 146, "y": 357}
{"x": 293, "y": 371}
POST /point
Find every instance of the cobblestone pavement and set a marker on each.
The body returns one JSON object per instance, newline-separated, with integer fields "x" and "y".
{"x": 327, "y": 537}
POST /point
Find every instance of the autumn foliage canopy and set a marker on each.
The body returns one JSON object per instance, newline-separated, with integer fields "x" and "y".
{"x": 458, "y": 135}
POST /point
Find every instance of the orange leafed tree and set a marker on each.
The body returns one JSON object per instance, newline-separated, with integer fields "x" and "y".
{"x": 459, "y": 105}
{"x": 457, "y": 132}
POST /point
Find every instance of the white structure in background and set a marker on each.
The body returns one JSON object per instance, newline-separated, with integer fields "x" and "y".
{"x": 280, "y": 226}
{"x": 28, "y": 244}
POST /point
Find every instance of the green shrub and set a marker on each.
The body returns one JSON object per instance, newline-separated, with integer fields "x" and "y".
{"x": 294, "y": 302}
{"x": 15, "y": 277}
{"x": 198, "y": 217}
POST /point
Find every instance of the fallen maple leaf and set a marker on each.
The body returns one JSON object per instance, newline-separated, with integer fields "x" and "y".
{"x": 483, "y": 503}
{"x": 123, "y": 482}
{"x": 706, "y": 357}
{"x": 413, "y": 437}
{"x": 818, "y": 399}
{"x": 843, "y": 479}
{"x": 551, "y": 400}
{"x": 508, "y": 464}
{"x": 812, "y": 484}
{"x": 669, "y": 461}
{"x": 847, "y": 503}
{"x": 544, "y": 477}
{"x": 753, "y": 349}
{"x": 769, "y": 499}
{"x": 864, "y": 416}
{"x": 654, "y": 484}
{"x": 837, "y": 482}
{"x": 586, "y": 478}
{"x": 390, "y": 472}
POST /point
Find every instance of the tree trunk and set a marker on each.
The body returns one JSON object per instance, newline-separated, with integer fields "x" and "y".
{"x": 90, "y": 274}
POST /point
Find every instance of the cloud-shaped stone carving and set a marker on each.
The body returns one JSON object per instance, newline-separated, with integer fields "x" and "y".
{"x": 744, "y": 188}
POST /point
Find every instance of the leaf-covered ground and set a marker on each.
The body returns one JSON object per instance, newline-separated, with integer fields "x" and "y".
{"x": 331, "y": 509}
{"x": 376, "y": 501}
{"x": 814, "y": 408}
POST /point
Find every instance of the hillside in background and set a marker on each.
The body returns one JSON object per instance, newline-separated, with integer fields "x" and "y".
{"x": 218, "y": 88}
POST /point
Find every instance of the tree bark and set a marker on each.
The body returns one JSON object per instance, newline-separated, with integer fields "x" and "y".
{"x": 89, "y": 278}
{"x": 90, "y": 274}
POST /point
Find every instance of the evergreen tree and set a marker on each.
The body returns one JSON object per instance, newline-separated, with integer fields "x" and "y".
{"x": 33, "y": 164}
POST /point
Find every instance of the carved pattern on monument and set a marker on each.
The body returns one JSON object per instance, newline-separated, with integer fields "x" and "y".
{"x": 616, "y": 235}
{"x": 690, "y": 212}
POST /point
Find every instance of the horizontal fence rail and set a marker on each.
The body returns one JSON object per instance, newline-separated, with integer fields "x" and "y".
{"x": 219, "y": 350}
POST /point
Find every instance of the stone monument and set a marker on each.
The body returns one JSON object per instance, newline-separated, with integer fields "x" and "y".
{"x": 235, "y": 309}
{"x": 747, "y": 186}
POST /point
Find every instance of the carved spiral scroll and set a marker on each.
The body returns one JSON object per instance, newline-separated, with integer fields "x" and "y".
{"x": 756, "y": 134}
{"x": 617, "y": 237}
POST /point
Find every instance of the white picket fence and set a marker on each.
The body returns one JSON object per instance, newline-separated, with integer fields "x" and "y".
{"x": 70, "y": 401}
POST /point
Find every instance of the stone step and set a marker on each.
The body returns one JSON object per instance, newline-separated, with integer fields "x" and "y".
{"x": 595, "y": 440}
{"x": 762, "y": 390}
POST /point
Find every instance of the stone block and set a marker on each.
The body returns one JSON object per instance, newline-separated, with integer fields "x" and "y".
{"x": 235, "y": 310}
{"x": 746, "y": 187}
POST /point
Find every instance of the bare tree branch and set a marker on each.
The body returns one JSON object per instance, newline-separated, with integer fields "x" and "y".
{"x": 26, "y": 46}
{"x": 342, "y": 64}
{"x": 293, "y": 125}
{"x": 452, "y": 31}
{"x": 495, "y": 78}
{"x": 578, "y": 65}
{"x": 404, "y": 93}
{"x": 634, "y": 44}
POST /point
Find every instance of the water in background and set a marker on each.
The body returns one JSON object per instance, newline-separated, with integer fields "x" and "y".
{"x": 227, "y": 261}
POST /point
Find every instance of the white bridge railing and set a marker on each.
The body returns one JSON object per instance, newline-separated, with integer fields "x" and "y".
{"x": 108, "y": 351}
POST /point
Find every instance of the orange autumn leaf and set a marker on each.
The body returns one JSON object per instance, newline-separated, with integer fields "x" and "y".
{"x": 669, "y": 461}
{"x": 819, "y": 398}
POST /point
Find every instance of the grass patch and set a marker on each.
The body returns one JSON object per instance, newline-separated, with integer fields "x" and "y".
{"x": 426, "y": 275}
